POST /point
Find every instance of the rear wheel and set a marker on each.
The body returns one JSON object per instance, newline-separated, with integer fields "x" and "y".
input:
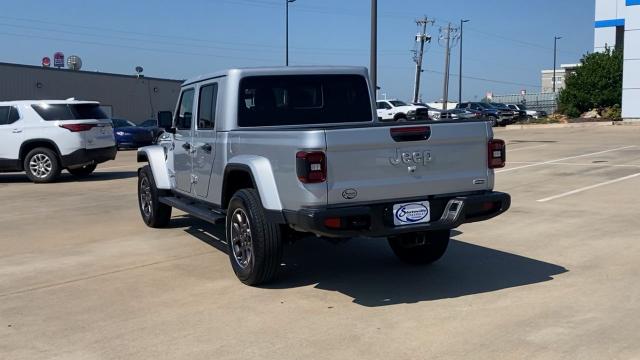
{"x": 255, "y": 244}
{"x": 41, "y": 165}
{"x": 83, "y": 171}
{"x": 154, "y": 213}
{"x": 420, "y": 248}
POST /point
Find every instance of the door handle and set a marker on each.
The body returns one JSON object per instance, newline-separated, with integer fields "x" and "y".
{"x": 17, "y": 131}
{"x": 186, "y": 146}
{"x": 206, "y": 147}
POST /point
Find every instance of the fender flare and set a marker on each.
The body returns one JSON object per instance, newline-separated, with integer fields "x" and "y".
{"x": 261, "y": 173}
{"x": 157, "y": 159}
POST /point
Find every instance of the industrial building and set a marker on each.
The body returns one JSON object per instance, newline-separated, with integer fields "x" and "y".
{"x": 132, "y": 97}
{"x": 617, "y": 24}
{"x": 560, "y": 77}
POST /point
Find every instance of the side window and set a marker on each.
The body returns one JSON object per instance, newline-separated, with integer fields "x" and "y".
{"x": 207, "y": 107}
{"x": 8, "y": 115}
{"x": 4, "y": 115}
{"x": 379, "y": 106}
{"x": 185, "y": 110}
{"x": 13, "y": 115}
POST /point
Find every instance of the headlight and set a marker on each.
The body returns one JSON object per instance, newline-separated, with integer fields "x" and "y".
{"x": 120, "y": 133}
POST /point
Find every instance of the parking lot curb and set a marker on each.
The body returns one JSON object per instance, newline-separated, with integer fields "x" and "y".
{"x": 560, "y": 126}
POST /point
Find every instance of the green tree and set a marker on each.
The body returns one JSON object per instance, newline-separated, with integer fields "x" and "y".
{"x": 597, "y": 84}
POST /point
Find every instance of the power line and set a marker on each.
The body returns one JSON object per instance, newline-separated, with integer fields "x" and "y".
{"x": 134, "y": 47}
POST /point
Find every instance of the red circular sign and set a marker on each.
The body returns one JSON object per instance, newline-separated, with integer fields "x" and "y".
{"x": 46, "y": 62}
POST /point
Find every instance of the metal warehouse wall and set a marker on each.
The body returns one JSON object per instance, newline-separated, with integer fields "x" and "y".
{"x": 129, "y": 97}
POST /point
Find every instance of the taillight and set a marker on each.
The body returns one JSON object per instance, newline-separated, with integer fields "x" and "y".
{"x": 497, "y": 154}
{"x": 311, "y": 167}
{"x": 78, "y": 127}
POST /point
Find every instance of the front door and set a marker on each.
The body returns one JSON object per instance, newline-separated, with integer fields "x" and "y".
{"x": 204, "y": 140}
{"x": 183, "y": 150}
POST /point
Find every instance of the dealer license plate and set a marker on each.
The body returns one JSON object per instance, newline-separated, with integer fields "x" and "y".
{"x": 411, "y": 213}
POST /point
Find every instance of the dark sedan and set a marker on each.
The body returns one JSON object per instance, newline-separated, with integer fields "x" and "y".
{"x": 152, "y": 125}
{"x": 130, "y": 136}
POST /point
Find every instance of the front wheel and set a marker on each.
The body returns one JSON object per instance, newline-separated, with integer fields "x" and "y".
{"x": 493, "y": 121}
{"x": 83, "y": 171}
{"x": 255, "y": 244}
{"x": 154, "y": 213}
{"x": 420, "y": 248}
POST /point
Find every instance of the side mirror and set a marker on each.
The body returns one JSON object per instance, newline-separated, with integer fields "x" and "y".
{"x": 165, "y": 120}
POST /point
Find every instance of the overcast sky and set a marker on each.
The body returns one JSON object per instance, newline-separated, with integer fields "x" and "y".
{"x": 506, "y": 44}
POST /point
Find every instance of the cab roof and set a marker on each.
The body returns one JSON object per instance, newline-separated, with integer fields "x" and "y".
{"x": 281, "y": 70}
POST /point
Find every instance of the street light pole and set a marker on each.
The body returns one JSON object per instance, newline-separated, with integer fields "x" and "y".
{"x": 555, "y": 60}
{"x": 287, "y": 31}
{"x": 373, "y": 68}
{"x": 460, "y": 71}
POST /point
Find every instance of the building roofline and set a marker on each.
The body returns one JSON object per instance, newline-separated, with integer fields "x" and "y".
{"x": 36, "y": 67}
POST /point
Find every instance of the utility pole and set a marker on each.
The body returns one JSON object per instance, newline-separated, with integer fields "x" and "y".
{"x": 287, "y": 2}
{"x": 421, "y": 38}
{"x": 449, "y": 35}
{"x": 373, "y": 68}
{"x": 555, "y": 60}
{"x": 460, "y": 71}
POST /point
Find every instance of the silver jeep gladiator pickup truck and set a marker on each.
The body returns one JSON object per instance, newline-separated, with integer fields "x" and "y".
{"x": 276, "y": 153}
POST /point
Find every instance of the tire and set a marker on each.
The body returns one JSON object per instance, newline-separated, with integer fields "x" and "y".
{"x": 255, "y": 244}
{"x": 493, "y": 120}
{"x": 154, "y": 213}
{"x": 420, "y": 248}
{"x": 83, "y": 171}
{"x": 400, "y": 118}
{"x": 42, "y": 165}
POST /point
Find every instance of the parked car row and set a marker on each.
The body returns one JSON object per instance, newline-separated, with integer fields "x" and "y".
{"x": 497, "y": 113}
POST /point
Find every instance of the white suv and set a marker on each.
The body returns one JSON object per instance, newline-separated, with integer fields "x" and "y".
{"x": 42, "y": 137}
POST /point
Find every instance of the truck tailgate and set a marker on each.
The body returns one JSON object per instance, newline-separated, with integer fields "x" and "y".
{"x": 378, "y": 167}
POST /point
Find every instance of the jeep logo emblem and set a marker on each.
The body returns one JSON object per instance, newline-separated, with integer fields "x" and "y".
{"x": 411, "y": 158}
{"x": 350, "y": 194}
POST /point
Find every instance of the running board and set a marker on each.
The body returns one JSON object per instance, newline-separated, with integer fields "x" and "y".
{"x": 194, "y": 209}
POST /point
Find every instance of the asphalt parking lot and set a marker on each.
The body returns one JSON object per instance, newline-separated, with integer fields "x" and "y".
{"x": 81, "y": 277}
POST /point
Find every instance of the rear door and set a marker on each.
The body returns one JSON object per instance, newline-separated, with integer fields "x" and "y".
{"x": 204, "y": 139}
{"x": 182, "y": 152}
{"x": 11, "y": 133}
{"x": 452, "y": 159}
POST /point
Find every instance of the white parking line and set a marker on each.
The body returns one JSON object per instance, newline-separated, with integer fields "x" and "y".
{"x": 524, "y": 148}
{"x": 577, "y": 164}
{"x": 563, "y": 159}
{"x": 589, "y": 188}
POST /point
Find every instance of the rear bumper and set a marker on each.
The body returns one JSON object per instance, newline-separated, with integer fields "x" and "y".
{"x": 89, "y": 156}
{"x": 376, "y": 220}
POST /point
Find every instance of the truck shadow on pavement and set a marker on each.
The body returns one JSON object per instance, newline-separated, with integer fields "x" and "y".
{"x": 367, "y": 271}
{"x": 68, "y": 178}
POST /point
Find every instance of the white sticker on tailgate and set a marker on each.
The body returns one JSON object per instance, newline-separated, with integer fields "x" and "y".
{"x": 411, "y": 213}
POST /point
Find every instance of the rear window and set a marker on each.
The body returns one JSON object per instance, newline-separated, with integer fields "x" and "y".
{"x": 51, "y": 112}
{"x": 303, "y": 100}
